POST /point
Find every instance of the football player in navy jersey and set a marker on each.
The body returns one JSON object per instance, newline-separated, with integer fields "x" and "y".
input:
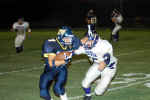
{"x": 56, "y": 69}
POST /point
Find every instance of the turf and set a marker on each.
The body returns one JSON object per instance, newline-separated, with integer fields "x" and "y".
{"x": 19, "y": 73}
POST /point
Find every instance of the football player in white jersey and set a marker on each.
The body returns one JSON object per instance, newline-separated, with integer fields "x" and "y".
{"x": 117, "y": 19}
{"x": 100, "y": 52}
{"x": 20, "y": 27}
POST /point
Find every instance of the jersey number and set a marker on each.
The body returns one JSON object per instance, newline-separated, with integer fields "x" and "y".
{"x": 107, "y": 58}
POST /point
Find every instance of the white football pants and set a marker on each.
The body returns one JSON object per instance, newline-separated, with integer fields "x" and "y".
{"x": 116, "y": 29}
{"x": 19, "y": 40}
{"x": 103, "y": 82}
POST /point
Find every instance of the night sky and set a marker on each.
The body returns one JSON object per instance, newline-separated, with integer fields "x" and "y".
{"x": 64, "y": 11}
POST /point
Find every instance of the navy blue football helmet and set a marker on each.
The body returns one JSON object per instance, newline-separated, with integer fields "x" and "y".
{"x": 65, "y": 36}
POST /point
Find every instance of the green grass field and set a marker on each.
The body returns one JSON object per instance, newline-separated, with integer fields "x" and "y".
{"x": 19, "y": 73}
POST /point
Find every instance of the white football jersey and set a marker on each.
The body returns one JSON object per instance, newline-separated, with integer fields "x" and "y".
{"x": 102, "y": 51}
{"x": 21, "y": 29}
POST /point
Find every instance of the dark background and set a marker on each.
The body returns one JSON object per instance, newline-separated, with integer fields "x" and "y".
{"x": 53, "y": 13}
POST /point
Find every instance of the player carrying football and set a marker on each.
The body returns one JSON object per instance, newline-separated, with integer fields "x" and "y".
{"x": 57, "y": 53}
{"x": 104, "y": 64}
{"x": 20, "y": 27}
{"x": 117, "y": 19}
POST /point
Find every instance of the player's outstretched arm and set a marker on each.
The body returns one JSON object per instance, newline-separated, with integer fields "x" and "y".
{"x": 81, "y": 50}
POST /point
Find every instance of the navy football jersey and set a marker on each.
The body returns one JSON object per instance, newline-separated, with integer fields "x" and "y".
{"x": 53, "y": 46}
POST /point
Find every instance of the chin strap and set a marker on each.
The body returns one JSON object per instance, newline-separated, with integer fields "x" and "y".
{"x": 64, "y": 48}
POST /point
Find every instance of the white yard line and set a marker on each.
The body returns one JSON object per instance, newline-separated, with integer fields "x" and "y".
{"x": 138, "y": 51}
{"x": 22, "y": 70}
{"x": 74, "y": 62}
{"x": 112, "y": 89}
{"x": 35, "y": 68}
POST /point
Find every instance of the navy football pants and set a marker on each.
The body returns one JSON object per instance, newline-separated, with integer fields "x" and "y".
{"x": 60, "y": 77}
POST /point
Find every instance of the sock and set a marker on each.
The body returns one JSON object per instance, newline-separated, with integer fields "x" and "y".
{"x": 64, "y": 97}
{"x": 87, "y": 91}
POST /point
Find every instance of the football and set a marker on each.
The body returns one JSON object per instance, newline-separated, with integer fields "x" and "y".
{"x": 61, "y": 55}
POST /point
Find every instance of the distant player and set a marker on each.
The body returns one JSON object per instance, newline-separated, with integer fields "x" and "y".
{"x": 117, "y": 19}
{"x": 91, "y": 20}
{"x": 20, "y": 27}
{"x": 57, "y": 53}
{"x": 104, "y": 64}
